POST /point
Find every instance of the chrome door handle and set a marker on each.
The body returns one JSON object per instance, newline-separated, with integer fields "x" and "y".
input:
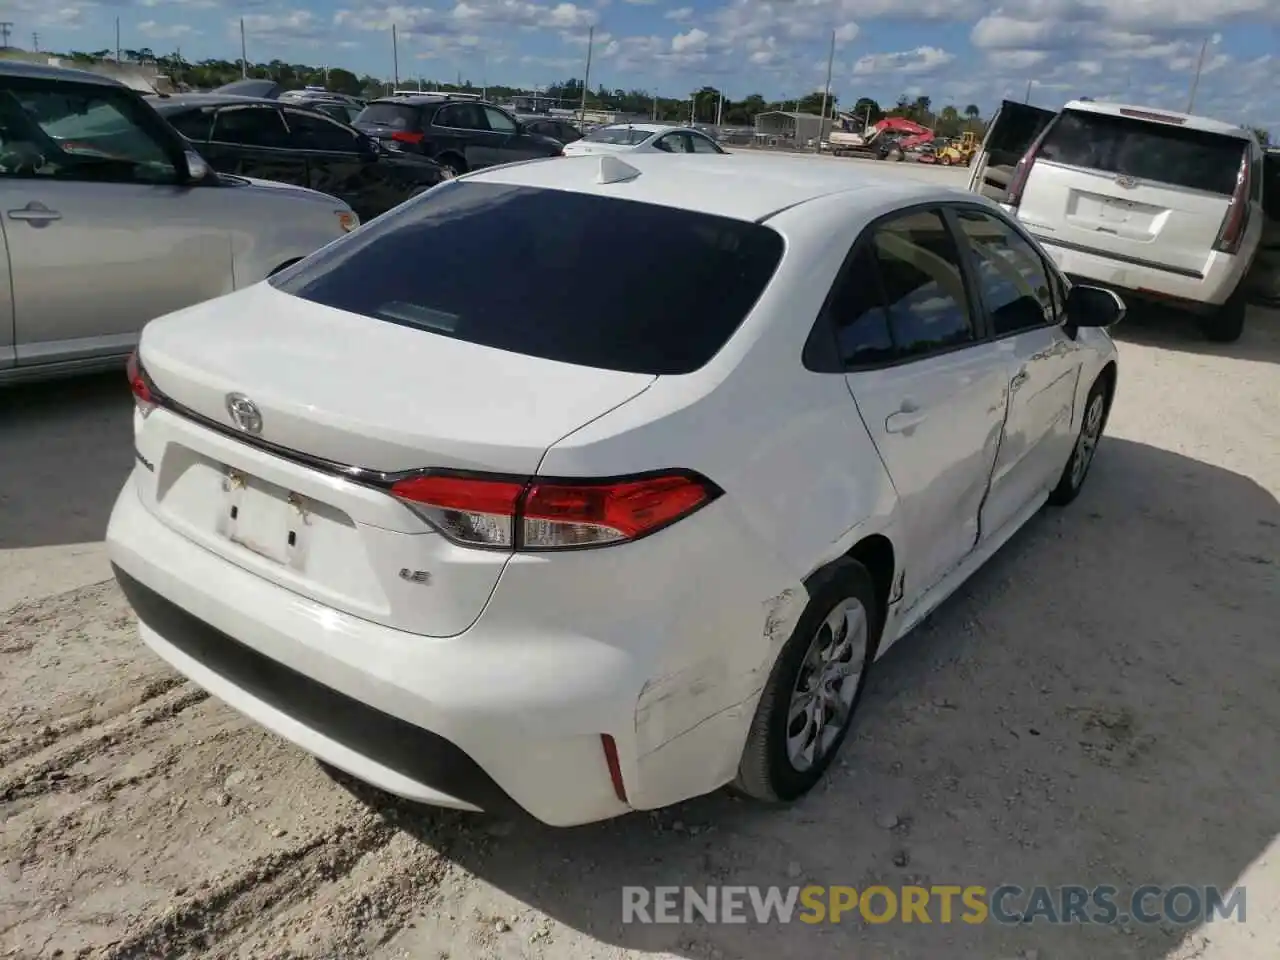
{"x": 906, "y": 418}
{"x": 35, "y": 212}
{"x": 1018, "y": 380}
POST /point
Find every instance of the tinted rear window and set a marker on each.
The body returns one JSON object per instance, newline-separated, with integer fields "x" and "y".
{"x": 583, "y": 279}
{"x": 398, "y": 116}
{"x": 1146, "y": 150}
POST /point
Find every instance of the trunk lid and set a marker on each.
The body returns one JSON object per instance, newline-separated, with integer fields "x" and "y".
{"x": 357, "y": 392}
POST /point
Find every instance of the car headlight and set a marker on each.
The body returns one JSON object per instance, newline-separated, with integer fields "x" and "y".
{"x": 347, "y": 220}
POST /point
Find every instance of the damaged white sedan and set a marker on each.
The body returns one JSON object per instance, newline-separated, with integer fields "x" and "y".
{"x": 422, "y": 507}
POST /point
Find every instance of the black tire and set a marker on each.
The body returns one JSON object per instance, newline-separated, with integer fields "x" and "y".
{"x": 1072, "y": 479}
{"x": 1226, "y": 323}
{"x": 766, "y": 771}
{"x": 453, "y": 163}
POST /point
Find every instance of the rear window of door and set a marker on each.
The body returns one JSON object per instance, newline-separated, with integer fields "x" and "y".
{"x": 462, "y": 116}
{"x": 503, "y": 266}
{"x": 193, "y": 124}
{"x": 1011, "y": 275}
{"x": 310, "y": 132}
{"x": 1145, "y": 150}
{"x": 250, "y": 127}
{"x": 497, "y": 121}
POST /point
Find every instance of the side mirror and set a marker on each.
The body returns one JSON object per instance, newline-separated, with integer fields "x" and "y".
{"x": 1093, "y": 307}
{"x": 197, "y": 169}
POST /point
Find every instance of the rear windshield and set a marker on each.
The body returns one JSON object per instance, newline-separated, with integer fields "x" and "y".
{"x": 398, "y": 116}
{"x": 619, "y": 135}
{"x": 596, "y": 281}
{"x": 1146, "y": 150}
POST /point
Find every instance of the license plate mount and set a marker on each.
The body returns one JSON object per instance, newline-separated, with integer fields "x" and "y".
{"x": 264, "y": 519}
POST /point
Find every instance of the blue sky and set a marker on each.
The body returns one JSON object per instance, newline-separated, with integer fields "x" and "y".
{"x": 955, "y": 51}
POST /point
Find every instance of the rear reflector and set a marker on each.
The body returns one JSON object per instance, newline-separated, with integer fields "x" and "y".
{"x": 145, "y": 396}
{"x": 542, "y": 514}
{"x": 615, "y": 768}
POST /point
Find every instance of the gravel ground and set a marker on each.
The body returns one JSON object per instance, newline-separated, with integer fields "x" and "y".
{"x": 1096, "y": 706}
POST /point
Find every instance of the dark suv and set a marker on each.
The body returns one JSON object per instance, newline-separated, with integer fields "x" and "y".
{"x": 459, "y": 134}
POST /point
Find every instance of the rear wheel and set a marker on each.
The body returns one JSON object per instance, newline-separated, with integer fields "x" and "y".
{"x": 1226, "y": 323}
{"x": 454, "y": 165}
{"x": 808, "y": 704}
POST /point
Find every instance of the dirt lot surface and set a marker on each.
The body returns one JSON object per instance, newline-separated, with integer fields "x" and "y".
{"x": 1098, "y": 705}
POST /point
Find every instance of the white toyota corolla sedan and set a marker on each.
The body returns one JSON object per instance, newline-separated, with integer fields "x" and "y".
{"x": 591, "y": 484}
{"x": 631, "y": 138}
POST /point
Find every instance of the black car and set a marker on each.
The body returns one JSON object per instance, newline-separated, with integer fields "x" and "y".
{"x": 553, "y": 127}
{"x": 461, "y": 134}
{"x": 292, "y": 143}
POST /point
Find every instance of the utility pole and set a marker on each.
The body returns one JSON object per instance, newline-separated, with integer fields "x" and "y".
{"x": 35, "y": 42}
{"x": 719, "y": 109}
{"x": 826, "y": 93}
{"x": 6, "y": 27}
{"x": 395, "y": 59}
{"x": 655, "y": 108}
{"x": 586, "y": 77}
{"x": 244, "y": 54}
{"x": 1027, "y": 97}
{"x": 1195, "y": 81}
{"x": 117, "y": 39}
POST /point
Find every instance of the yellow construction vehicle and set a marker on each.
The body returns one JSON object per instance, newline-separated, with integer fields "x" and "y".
{"x": 959, "y": 151}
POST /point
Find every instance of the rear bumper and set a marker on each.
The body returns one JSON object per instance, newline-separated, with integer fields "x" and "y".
{"x": 1195, "y": 291}
{"x": 510, "y": 711}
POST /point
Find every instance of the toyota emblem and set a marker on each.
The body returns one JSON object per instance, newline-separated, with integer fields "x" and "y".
{"x": 244, "y": 413}
{"x": 1127, "y": 182}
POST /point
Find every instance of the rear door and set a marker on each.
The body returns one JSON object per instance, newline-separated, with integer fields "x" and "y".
{"x": 1134, "y": 188}
{"x": 7, "y": 354}
{"x": 251, "y": 140}
{"x": 930, "y": 391}
{"x": 1009, "y": 135}
{"x": 335, "y": 164}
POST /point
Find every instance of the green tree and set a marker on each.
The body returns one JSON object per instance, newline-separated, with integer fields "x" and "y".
{"x": 867, "y": 109}
{"x": 1263, "y": 135}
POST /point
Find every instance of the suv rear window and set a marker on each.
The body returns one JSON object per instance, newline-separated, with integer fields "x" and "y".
{"x": 1146, "y": 150}
{"x": 589, "y": 280}
{"x": 398, "y": 116}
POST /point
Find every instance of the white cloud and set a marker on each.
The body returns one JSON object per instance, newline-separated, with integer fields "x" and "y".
{"x": 695, "y": 41}
{"x": 282, "y": 27}
{"x": 679, "y": 14}
{"x": 847, "y": 33}
{"x": 165, "y": 31}
{"x": 919, "y": 60}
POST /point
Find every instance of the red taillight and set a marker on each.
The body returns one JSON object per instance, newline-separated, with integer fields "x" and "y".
{"x": 405, "y": 136}
{"x": 1018, "y": 182}
{"x": 552, "y": 515}
{"x": 144, "y": 391}
{"x": 615, "y": 767}
{"x": 1236, "y": 222}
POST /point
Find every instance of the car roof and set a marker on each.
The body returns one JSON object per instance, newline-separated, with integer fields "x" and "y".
{"x": 417, "y": 99}
{"x": 174, "y": 101}
{"x": 1186, "y": 120}
{"x": 644, "y": 127}
{"x": 738, "y": 185}
{"x": 42, "y": 71}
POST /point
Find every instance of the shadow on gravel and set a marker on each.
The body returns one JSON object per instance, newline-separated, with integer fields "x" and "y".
{"x": 1097, "y": 706}
{"x": 65, "y": 450}
{"x": 1155, "y": 326}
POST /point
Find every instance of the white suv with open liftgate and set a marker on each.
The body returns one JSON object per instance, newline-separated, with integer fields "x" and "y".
{"x": 1158, "y": 205}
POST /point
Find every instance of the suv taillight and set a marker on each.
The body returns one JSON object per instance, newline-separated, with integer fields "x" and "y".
{"x": 537, "y": 514}
{"x": 145, "y": 395}
{"x": 1236, "y": 222}
{"x": 406, "y": 136}
{"x": 1018, "y": 182}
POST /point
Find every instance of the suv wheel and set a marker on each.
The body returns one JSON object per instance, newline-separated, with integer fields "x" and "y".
{"x": 1226, "y": 323}
{"x": 453, "y": 163}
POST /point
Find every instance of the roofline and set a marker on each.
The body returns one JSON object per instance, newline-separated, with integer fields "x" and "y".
{"x": 1190, "y": 121}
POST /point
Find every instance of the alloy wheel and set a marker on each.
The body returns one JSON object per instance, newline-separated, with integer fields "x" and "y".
{"x": 827, "y": 684}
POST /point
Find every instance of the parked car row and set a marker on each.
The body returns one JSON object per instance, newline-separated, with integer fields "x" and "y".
{"x": 111, "y": 218}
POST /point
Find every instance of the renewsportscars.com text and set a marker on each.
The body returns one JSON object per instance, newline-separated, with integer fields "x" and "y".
{"x": 1009, "y": 904}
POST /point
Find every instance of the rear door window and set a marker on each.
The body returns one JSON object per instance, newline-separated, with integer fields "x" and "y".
{"x": 1145, "y": 150}
{"x": 504, "y": 266}
{"x": 193, "y": 124}
{"x": 250, "y": 127}
{"x": 1012, "y": 276}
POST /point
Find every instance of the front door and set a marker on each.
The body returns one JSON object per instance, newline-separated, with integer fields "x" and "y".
{"x": 1023, "y": 299}
{"x": 931, "y": 393}
{"x": 101, "y": 235}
